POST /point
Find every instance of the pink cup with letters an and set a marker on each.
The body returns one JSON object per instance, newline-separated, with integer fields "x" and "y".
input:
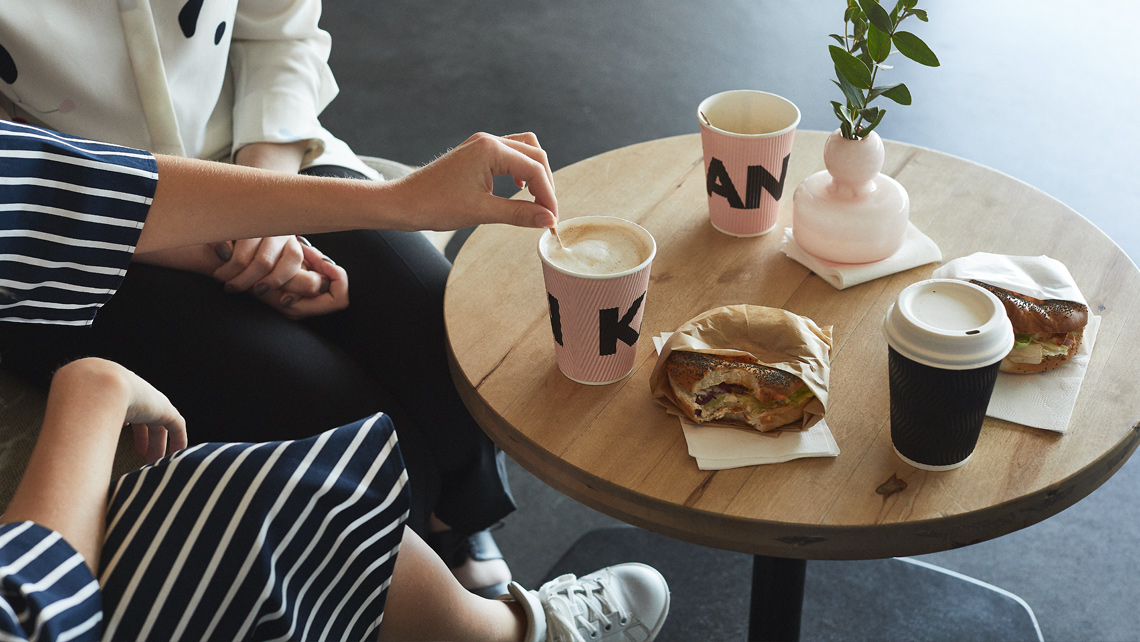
{"x": 596, "y": 306}
{"x": 747, "y": 140}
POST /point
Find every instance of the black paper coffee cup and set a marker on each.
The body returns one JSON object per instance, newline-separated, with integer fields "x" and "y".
{"x": 946, "y": 339}
{"x": 937, "y": 414}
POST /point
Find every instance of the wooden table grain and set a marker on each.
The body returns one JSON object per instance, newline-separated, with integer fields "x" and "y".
{"x": 612, "y": 448}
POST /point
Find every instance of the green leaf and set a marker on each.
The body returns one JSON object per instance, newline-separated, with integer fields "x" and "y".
{"x": 849, "y": 67}
{"x": 910, "y": 4}
{"x": 850, "y": 13}
{"x": 869, "y": 114}
{"x": 898, "y": 93}
{"x": 840, "y": 112}
{"x": 866, "y": 129}
{"x": 840, "y": 39}
{"x": 854, "y": 96}
{"x": 878, "y": 44}
{"x": 914, "y": 48}
{"x": 877, "y": 15}
{"x": 920, "y": 14}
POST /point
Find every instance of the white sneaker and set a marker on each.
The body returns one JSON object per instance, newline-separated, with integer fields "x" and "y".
{"x": 622, "y": 603}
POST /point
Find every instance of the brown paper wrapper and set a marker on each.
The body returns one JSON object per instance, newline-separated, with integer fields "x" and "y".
{"x": 768, "y": 336}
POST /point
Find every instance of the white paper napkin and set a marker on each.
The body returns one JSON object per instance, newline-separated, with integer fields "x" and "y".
{"x": 1044, "y": 400}
{"x": 718, "y": 448}
{"x": 918, "y": 249}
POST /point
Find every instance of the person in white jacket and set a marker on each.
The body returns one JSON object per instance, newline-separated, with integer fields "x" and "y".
{"x": 219, "y": 325}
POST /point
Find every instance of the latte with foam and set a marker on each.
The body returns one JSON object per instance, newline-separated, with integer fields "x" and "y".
{"x": 595, "y": 248}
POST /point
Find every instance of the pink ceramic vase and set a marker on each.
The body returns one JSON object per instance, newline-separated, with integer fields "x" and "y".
{"x": 850, "y": 213}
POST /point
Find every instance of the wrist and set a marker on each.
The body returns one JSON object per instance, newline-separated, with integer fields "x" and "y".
{"x": 200, "y": 259}
{"x": 93, "y": 382}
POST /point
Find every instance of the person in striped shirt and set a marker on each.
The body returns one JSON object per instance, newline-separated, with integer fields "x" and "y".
{"x": 302, "y": 539}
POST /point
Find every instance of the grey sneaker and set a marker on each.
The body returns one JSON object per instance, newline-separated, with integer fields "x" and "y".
{"x": 622, "y": 603}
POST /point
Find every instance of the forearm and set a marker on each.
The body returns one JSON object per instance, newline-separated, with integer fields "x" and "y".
{"x": 243, "y": 202}
{"x": 203, "y": 259}
{"x": 200, "y": 259}
{"x": 201, "y": 202}
{"x": 64, "y": 487}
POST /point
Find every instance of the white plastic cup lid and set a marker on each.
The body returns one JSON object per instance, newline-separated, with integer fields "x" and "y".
{"x": 950, "y": 324}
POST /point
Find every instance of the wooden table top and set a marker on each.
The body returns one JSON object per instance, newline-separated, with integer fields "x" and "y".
{"x": 614, "y": 449}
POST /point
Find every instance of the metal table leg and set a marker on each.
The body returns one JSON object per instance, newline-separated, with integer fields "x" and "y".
{"x": 777, "y": 599}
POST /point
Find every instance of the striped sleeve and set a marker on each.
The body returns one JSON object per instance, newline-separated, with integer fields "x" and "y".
{"x": 71, "y": 211}
{"x": 46, "y": 590}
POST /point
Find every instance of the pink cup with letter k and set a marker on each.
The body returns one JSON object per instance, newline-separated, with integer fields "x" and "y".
{"x": 596, "y": 280}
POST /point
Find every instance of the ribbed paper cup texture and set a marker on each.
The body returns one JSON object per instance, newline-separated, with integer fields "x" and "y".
{"x": 747, "y": 141}
{"x": 946, "y": 340}
{"x": 937, "y": 414}
{"x": 596, "y": 319}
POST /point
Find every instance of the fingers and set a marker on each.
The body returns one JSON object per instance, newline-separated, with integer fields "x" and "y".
{"x": 176, "y": 435}
{"x": 156, "y": 442}
{"x": 224, "y": 250}
{"x": 531, "y": 141}
{"x": 241, "y": 253}
{"x": 141, "y": 439}
{"x": 151, "y": 441}
{"x": 311, "y": 282}
{"x": 334, "y": 282}
{"x": 289, "y": 263}
{"x": 155, "y": 422}
{"x": 520, "y": 156}
{"x": 260, "y": 264}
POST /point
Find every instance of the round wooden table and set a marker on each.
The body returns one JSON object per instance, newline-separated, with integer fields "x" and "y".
{"x": 612, "y": 448}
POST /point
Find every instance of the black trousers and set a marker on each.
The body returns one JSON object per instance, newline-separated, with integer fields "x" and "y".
{"x": 240, "y": 371}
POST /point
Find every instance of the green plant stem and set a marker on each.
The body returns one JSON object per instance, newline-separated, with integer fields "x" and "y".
{"x": 874, "y": 72}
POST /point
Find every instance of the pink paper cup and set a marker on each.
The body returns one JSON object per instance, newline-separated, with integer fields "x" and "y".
{"x": 596, "y": 318}
{"x": 747, "y": 139}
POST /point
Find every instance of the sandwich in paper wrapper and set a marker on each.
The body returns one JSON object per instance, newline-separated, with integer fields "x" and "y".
{"x": 1046, "y": 397}
{"x": 746, "y": 366}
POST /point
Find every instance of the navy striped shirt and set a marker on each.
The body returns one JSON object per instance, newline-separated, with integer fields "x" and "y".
{"x": 46, "y": 590}
{"x": 71, "y": 211}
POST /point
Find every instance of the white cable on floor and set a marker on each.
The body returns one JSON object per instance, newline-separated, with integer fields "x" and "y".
{"x": 955, "y": 574}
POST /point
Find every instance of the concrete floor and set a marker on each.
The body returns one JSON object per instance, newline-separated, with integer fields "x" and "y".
{"x": 1038, "y": 89}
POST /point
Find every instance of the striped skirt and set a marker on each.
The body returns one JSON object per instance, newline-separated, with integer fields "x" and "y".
{"x": 278, "y": 541}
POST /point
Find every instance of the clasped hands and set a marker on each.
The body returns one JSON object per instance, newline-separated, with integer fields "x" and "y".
{"x": 285, "y": 272}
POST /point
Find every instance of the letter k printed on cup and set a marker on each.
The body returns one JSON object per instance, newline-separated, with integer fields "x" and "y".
{"x": 596, "y": 284}
{"x": 747, "y": 140}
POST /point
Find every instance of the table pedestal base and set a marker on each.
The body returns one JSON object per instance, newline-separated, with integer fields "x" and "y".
{"x": 775, "y": 611}
{"x": 716, "y": 595}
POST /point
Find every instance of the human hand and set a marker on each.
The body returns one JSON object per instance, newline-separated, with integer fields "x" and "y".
{"x": 297, "y": 299}
{"x": 455, "y": 190}
{"x": 286, "y": 272}
{"x": 258, "y": 265}
{"x": 156, "y": 423}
